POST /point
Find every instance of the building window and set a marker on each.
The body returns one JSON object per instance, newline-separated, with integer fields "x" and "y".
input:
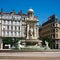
{"x": 53, "y": 30}
{"x": 3, "y": 28}
{"x": 8, "y": 27}
{"x": 56, "y": 25}
{"x": 11, "y": 27}
{"x": 18, "y": 21}
{"x": 15, "y": 33}
{"x": 4, "y": 21}
{"x": 7, "y": 33}
{"x": 19, "y": 33}
{"x": 11, "y": 33}
{"x": 19, "y": 27}
{"x": 15, "y": 22}
{"x": 56, "y": 35}
{"x": 11, "y": 22}
{"x": 53, "y": 35}
{"x": 15, "y": 28}
{"x": 24, "y": 18}
{"x": 53, "y": 24}
{"x": 4, "y": 33}
{"x": 8, "y": 21}
{"x": 56, "y": 30}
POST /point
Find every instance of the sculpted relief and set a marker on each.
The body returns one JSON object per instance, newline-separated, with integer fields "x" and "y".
{"x": 31, "y": 33}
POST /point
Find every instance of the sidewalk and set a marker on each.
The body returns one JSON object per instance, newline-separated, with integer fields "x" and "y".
{"x": 30, "y": 55}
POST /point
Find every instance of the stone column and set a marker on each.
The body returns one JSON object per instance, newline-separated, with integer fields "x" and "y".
{"x": 20, "y": 29}
{"x": 1, "y": 43}
{"x": 27, "y": 31}
{"x": 1, "y": 46}
{"x": 35, "y": 31}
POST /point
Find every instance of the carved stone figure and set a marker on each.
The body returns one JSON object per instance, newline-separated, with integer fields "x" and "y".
{"x": 31, "y": 33}
{"x": 46, "y": 44}
{"x": 47, "y": 47}
{"x": 20, "y": 45}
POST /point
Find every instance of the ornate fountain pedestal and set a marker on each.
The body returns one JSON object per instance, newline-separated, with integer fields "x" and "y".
{"x": 31, "y": 41}
{"x": 29, "y": 45}
{"x": 32, "y": 45}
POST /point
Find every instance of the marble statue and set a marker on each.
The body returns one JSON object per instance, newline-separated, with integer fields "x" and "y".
{"x": 47, "y": 46}
{"x": 31, "y": 33}
{"x": 46, "y": 43}
{"x": 21, "y": 45}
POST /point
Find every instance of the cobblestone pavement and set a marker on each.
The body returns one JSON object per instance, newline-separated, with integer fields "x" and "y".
{"x": 30, "y": 56}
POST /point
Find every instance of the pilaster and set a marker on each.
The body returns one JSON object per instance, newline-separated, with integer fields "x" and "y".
{"x": 27, "y": 31}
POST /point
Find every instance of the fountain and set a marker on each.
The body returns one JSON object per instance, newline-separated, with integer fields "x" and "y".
{"x": 31, "y": 41}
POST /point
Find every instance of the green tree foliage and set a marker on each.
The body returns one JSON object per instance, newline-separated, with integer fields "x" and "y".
{"x": 50, "y": 42}
{"x": 15, "y": 40}
{"x": 10, "y": 40}
{"x": 7, "y": 40}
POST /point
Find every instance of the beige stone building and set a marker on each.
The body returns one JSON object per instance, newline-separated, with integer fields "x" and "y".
{"x": 51, "y": 29}
{"x": 18, "y": 25}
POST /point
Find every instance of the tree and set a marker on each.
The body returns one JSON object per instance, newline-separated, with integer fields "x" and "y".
{"x": 10, "y": 40}
{"x": 49, "y": 40}
{"x": 15, "y": 40}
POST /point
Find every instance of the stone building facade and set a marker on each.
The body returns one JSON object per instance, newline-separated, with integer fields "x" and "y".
{"x": 51, "y": 29}
{"x": 18, "y": 25}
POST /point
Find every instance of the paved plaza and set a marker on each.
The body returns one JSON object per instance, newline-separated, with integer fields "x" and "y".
{"x": 30, "y": 56}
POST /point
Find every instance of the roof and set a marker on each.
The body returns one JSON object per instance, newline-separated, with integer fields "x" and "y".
{"x": 51, "y": 19}
{"x": 14, "y": 14}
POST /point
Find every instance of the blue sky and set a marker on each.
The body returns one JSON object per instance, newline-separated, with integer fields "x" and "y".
{"x": 42, "y": 8}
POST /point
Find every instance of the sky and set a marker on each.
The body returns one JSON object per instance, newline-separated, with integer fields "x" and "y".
{"x": 42, "y": 8}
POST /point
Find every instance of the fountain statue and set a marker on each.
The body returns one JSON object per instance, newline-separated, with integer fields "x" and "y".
{"x": 47, "y": 47}
{"x": 20, "y": 45}
{"x": 30, "y": 33}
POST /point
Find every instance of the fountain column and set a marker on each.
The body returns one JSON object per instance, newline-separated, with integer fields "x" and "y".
{"x": 34, "y": 30}
{"x": 27, "y": 31}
